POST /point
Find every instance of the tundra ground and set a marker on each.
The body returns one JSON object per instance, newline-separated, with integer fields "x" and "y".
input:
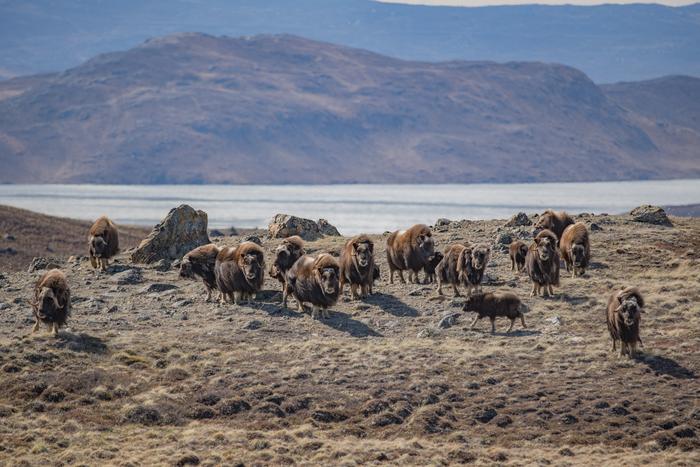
{"x": 148, "y": 373}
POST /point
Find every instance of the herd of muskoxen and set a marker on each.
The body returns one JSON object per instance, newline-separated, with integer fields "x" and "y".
{"x": 237, "y": 273}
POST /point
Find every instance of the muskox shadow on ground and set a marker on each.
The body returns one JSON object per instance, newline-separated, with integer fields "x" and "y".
{"x": 391, "y": 305}
{"x": 274, "y": 309}
{"x": 81, "y": 342}
{"x": 343, "y": 322}
{"x": 666, "y": 366}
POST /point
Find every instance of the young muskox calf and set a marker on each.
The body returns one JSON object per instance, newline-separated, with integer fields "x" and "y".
{"x": 505, "y": 304}
{"x": 517, "y": 251}
{"x": 103, "y": 242}
{"x": 240, "y": 271}
{"x": 575, "y": 248}
{"x": 554, "y": 221}
{"x": 429, "y": 268}
{"x": 623, "y": 316}
{"x": 51, "y": 302}
{"x": 314, "y": 280}
{"x": 200, "y": 263}
{"x": 357, "y": 265}
{"x": 409, "y": 250}
{"x": 286, "y": 254}
{"x": 542, "y": 262}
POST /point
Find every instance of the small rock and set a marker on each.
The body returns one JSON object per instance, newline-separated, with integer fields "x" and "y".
{"x": 253, "y": 238}
{"x": 448, "y": 320}
{"x": 189, "y": 459}
{"x": 554, "y": 321}
{"x": 4, "y": 306}
{"x": 566, "y": 452}
{"x": 158, "y": 287}
{"x": 128, "y": 277}
{"x": 327, "y": 229}
{"x": 685, "y": 433}
{"x": 8, "y": 251}
{"x": 442, "y": 222}
{"x": 41, "y": 262}
{"x": 162, "y": 265}
{"x": 595, "y": 227}
{"x": 619, "y": 410}
{"x": 216, "y": 233}
{"x": 113, "y": 309}
{"x": 328, "y": 417}
{"x": 518, "y": 220}
{"x": 253, "y": 325}
{"x": 9, "y": 237}
{"x": 650, "y": 215}
{"x": 503, "y": 421}
{"x": 182, "y": 303}
{"x": 569, "y": 419}
{"x": 504, "y": 239}
{"x": 486, "y": 416}
{"x": 427, "y": 332}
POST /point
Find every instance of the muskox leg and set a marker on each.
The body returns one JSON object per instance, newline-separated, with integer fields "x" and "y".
{"x": 35, "y": 328}
{"x": 326, "y": 313}
{"x": 551, "y": 289}
{"x": 300, "y": 305}
{"x": 512, "y": 322}
{"x": 284, "y": 297}
{"x": 639, "y": 339}
{"x": 493, "y": 324}
{"x": 314, "y": 312}
{"x": 632, "y": 349}
{"x": 403, "y": 281}
{"x": 473, "y": 323}
{"x": 439, "y": 283}
{"x": 522, "y": 320}
{"x": 512, "y": 264}
{"x": 341, "y": 286}
{"x": 353, "y": 291}
{"x": 623, "y": 348}
{"x": 93, "y": 261}
{"x": 410, "y": 277}
{"x": 614, "y": 344}
{"x": 546, "y": 290}
{"x": 54, "y": 329}
{"x": 103, "y": 264}
{"x": 208, "y": 299}
{"x": 456, "y": 290}
{"x": 535, "y": 290}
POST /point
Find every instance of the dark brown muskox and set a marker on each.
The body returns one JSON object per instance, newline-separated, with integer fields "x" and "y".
{"x": 575, "y": 248}
{"x": 103, "y": 242}
{"x": 200, "y": 263}
{"x": 623, "y": 317}
{"x": 554, "y": 221}
{"x": 409, "y": 250}
{"x": 51, "y": 302}
{"x": 314, "y": 280}
{"x": 429, "y": 268}
{"x": 463, "y": 264}
{"x": 478, "y": 259}
{"x": 542, "y": 263}
{"x": 357, "y": 266}
{"x": 517, "y": 251}
{"x": 505, "y": 304}
{"x": 286, "y": 254}
{"x": 240, "y": 271}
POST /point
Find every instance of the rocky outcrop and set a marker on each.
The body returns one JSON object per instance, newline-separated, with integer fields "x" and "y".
{"x": 650, "y": 215}
{"x": 284, "y": 225}
{"x": 182, "y": 230}
{"x": 518, "y": 219}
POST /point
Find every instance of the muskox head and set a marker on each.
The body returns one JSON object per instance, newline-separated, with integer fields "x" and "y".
{"x": 578, "y": 254}
{"x": 46, "y": 302}
{"x": 473, "y": 302}
{"x": 546, "y": 243}
{"x": 251, "y": 266}
{"x": 544, "y": 222}
{"x": 186, "y": 268}
{"x": 629, "y": 310}
{"x": 522, "y": 250}
{"x": 480, "y": 256}
{"x": 362, "y": 251}
{"x": 426, "y": 244}
{"x": 98, "y": 246}
{"x": 286, "y": 254}
{"x": 326, "y": 274}
{"x": 434, "y": 260}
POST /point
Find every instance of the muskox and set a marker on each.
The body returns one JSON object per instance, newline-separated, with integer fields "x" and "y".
{"x": 463, "y": 264}
{"x": 51, "y": 304}
{"x": 517, "y": 251}
{"x": 496, "y": 304}
{"x": 623, "y": 317}
{"x": 240, "y": 271}
{"x": 314, "y": 280}
{"x": 357, "y": 266}
{"x": 200, "y": 263}
{"x": 103, "y": 242}
{"x": 409, "y": 250}
{"x": 575, "y": 248}
{"x": 429, "y": 268}
{"x": 286, "y": 254}
{"x": 554, "y": 221}
{"x": 542, "y": 263}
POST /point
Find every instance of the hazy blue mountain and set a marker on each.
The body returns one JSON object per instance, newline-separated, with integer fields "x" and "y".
{"x": 609, "y": 43}
{"x": 194, "y": 108}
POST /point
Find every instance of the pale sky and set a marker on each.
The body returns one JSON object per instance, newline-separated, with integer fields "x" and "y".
{"x": 541, "y": 2}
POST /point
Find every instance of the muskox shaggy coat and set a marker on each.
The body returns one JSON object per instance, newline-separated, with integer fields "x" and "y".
{"x": 575, "y": 248}
{"x": 357, "y": 266}
{"x": 51, "y": 304}
{"x": 517, "y": 252}
{"x": 200, "y": 263}
{"x": 314, "y": 280}
{"x": 240, "y": 271}
{"x": 463, "y": 264}
{"x": 496, "y": 304}
{"x": 286, "y": 254}
{"x": 409, "y": 250}
{"x": 103, "y": 242}
{"x": 542, "y": 263}
{"x": 624, "y": 314}
{"x": 554, "y": 221}
{"x": 429, "y": 268}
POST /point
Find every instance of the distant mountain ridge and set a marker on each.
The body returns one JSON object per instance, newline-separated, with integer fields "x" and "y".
{"x": 608, "y": 42}
{"x": 193, "y": 108}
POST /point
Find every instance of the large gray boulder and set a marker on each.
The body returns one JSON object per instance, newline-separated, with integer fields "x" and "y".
{"x": 518, "y": 220}
{"x": 284, "y": 225}
{"x": 182, "y": 230}
{"x": 650, "y": 215}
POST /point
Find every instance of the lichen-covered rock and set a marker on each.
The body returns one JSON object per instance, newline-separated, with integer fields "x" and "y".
{"x": 284, "y": 225}
{"x": 650, "y": 215}
{"x": 182, "y": 230}
{"x": 518, "y": 220}
{"x": 41, "y": 262}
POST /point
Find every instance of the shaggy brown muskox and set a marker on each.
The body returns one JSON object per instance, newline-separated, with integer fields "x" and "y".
{"x": 554, "y": 221}
{"x": 286, "y": 254}
{"x": 357, "y": 265}
{"x": 200, "y": 263}
{"x": 542, "y": 263}
{"x": 51, "y": 302}
{"x": 623, "y": 317}
{"x": 240, "y": 271}
{"x": 575, "y": 248}
{"x": 409, "y": 250}
{"x": 103, "y": 242}
{"x": 314, "y": 280}
{"x": 517, "y": 251}
{"x": 505, "y": 304}
{"x": 463, "y": 264}
{"x": 429, "y": 268}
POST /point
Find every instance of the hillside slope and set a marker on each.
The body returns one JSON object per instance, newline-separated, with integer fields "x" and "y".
{"x": 193, "y": 108}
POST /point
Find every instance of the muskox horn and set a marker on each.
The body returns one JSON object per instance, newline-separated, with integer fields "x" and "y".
{"x": 50, "y": 293}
